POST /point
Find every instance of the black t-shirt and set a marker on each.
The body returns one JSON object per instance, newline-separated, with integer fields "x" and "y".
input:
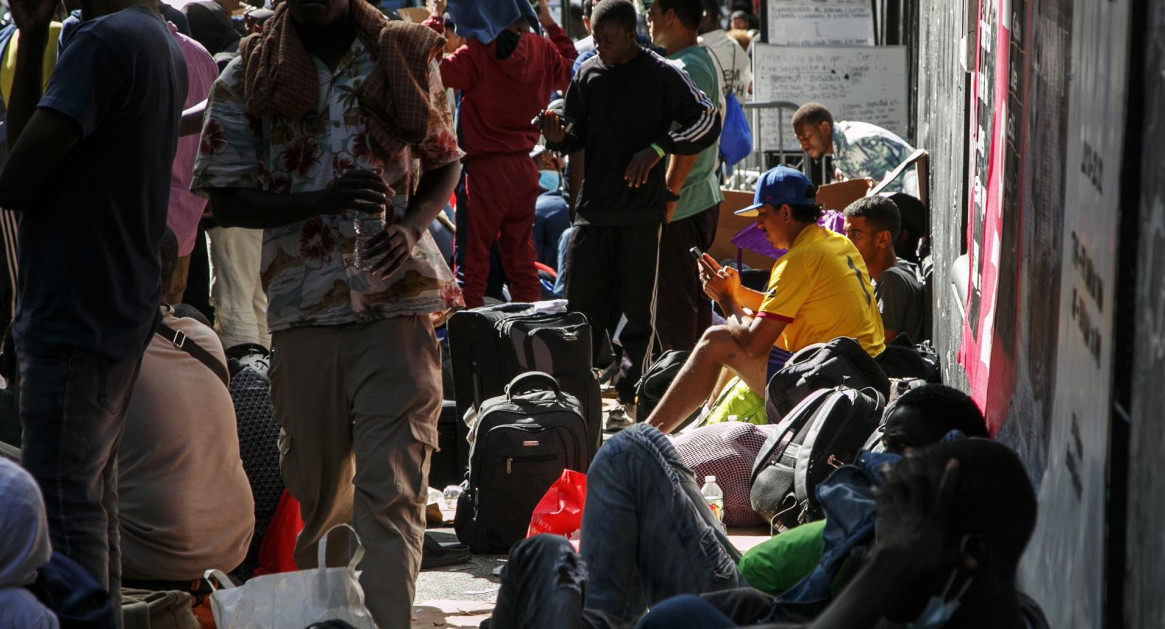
{"x": 621, "y": 110}
{"x": 899, "y": 295}
{"x": 90, "y": 276}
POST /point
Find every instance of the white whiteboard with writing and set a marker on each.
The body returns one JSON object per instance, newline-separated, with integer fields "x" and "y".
{"x": 820, "y": 22}
{"x": 862, "y": 83}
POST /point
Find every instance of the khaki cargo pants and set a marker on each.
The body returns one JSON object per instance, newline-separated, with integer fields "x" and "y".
{"x": 358, "y": 405}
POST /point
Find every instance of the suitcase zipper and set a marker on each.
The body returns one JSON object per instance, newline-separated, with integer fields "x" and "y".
{"x": 528, "y": 459}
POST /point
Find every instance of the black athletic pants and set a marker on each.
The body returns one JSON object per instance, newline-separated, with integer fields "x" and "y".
{"x": 614, "y": 268}
{"x": 683, "y": 311}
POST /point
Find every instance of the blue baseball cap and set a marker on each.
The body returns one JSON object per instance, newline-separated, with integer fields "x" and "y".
{"x": 778, "y": 186}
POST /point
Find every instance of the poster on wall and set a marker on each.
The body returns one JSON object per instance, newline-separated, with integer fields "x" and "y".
{"x": 819, "y": 22}
{"x": 1070, "y": 534}
{"x": 979, "y": 352}
{"x": 1041, "y": 49}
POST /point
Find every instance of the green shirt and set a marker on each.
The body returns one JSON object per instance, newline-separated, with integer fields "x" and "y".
{"x": 778, "y": 564}
{"x": 701, "y": 189}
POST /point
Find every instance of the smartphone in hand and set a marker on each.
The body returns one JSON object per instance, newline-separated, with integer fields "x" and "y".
{"x": 540, "y": 119}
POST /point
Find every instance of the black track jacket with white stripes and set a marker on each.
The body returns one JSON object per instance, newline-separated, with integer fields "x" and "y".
{"x": 621, "y": 110}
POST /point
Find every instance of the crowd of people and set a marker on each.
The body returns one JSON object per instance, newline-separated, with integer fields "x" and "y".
{"x": 326, "y": 180}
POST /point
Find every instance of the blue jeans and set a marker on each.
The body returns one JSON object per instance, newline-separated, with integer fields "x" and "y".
{"x": 646, "y": 536}
{"x": 542, "y": 586}
{"x": 563, "y": 247}
{"x": 688, "y": 611}
{"x": 72, "y": 408}
{"x": 647, "y": 533}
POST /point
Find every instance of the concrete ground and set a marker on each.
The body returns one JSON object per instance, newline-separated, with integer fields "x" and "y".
{"x": 457, "y": 596}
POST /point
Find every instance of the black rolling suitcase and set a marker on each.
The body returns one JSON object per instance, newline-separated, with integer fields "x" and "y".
{"x": 448, "y": 462}
{"x": 522, "y": 440}
{"x": 491, "y": 345}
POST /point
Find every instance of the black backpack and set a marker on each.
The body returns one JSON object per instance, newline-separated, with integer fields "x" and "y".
{"x": 521, "y": 443}
{"x": 903, "y": 359}
{"x": 825, "y": 431}
{"x": 841, "y": 361}
{"x": 655, "y": 382}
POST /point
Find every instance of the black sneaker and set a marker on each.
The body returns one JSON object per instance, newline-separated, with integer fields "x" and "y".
{"x": 435, "y": 554}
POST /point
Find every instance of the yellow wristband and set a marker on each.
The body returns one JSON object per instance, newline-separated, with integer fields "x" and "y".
{"x": 658, "y": 150}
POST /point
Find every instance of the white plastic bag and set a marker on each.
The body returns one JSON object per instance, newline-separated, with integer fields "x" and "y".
{"x": 293, "y": 599}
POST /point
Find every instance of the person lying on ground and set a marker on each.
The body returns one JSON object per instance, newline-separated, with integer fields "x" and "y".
{"x": 919, "y": 417}
{"x": 947, "y": 548}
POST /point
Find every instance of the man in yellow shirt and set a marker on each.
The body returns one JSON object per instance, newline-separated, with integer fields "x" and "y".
{"x": 819, "y": 290}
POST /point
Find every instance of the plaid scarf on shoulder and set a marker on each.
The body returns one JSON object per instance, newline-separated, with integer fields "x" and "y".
{"x": 280, "y": 78}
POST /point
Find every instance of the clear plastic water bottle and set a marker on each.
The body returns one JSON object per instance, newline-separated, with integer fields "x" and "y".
{"x": 367, "y": 225}
{"x": 450, "y": 495}
{"x": 715, "y": 497}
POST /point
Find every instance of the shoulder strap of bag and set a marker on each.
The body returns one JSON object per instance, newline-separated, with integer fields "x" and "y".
{"x": 720, "y": 67}
{"x": 184, "y": 343}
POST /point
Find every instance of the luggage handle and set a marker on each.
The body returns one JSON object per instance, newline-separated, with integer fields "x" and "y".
{"x": 532, "y": 381}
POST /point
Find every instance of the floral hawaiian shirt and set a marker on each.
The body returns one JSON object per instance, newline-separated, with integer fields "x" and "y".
{"x": 864, "y": 150}
{"x": 307, "y": 267}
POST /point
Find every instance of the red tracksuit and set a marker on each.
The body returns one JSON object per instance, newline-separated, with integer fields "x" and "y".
{"x": 499, "y": 98}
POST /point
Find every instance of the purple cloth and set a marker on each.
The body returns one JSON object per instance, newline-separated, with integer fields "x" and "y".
{"x": 753, "y": 239}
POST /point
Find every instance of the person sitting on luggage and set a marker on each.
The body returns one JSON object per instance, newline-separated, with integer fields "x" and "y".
{"x": 647, "y": 534}
{"x": 873, "y": 225}
{"x": 819, "y": 290}
{"x": 24, "y": 548}
{"x": 184, "y": 499}
{"x": 985, "y": 527}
